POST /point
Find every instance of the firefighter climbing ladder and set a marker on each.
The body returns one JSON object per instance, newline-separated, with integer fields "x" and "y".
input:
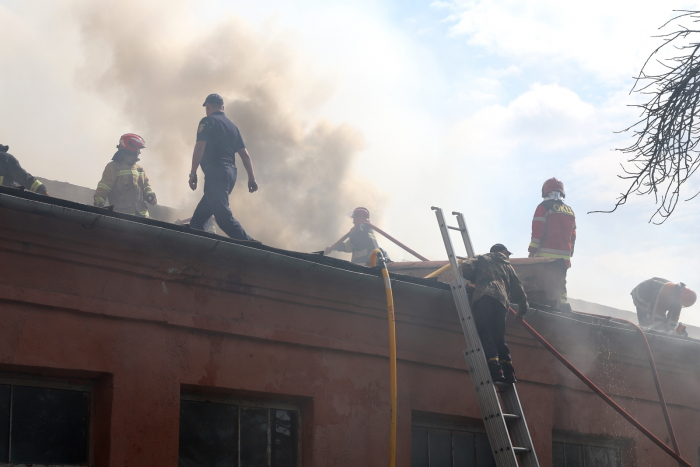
{"x": 505, "y": 424}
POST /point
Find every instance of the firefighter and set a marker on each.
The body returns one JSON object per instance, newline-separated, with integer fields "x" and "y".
{"x": 659, "y": 302}
{"x": 496, "y": 284}
{"x": 13, "y": 175}
{"x": 124, "y": 183}
{"x": 218, "y": 141}
{"x": 554, "y": 231}
{"x": 361, "y": 241}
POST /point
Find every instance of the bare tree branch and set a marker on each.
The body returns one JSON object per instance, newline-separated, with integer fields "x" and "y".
{"x": 665, "y": 152}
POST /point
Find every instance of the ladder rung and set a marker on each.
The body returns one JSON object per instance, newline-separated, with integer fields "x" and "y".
{"x": 454, "y": 228}
{"x": 511, "y": 418}
{"x": 521, "y": 450}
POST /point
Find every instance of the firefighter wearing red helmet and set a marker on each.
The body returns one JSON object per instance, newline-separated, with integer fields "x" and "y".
{"x": 554, "y": 230}
{"x": 659, "y": 303}
{"x": 124, "y": 183}
{"x": 361, "y": 241}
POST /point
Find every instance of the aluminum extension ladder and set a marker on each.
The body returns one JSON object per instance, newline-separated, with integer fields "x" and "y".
{"x": 499, "y": 420}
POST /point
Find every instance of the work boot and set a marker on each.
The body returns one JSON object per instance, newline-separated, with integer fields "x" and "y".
{"x": 496, "y": 371}
{"x": 508, "y": 372}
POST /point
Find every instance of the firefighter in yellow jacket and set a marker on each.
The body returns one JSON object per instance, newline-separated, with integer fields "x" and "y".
{"x": 124, "y": 183}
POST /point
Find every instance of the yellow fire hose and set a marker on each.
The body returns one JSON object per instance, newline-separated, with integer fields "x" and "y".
{"x": 392, "y": 349}
{"x": 440, "y": 271}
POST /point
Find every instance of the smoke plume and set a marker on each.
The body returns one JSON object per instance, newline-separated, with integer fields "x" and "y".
{"x": 156, "y": 65}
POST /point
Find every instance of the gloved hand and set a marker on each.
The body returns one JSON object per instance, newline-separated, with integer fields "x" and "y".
{"x": 151, "y": 199}
{"x": 42, "y": 190}
{"x": 522, "y": 311}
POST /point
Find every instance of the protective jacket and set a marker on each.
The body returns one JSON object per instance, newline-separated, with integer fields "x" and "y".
{"x": 494, "y": 276}
{"x": 361, "y": 243}
{"x": 553, "y": 231}
{"x": 125, "y": 186}
{"x": 12, "y": 174}
{"x": 653, "y": 298}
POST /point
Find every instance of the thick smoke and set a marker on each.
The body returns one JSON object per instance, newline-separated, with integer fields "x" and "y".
{"x": 156, "y": 65}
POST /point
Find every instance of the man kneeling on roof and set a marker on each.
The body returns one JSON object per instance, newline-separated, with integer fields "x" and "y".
{"x": 13, "y": 175}
{"x": 496, "y": 285}
{"x": 659, "y": 303}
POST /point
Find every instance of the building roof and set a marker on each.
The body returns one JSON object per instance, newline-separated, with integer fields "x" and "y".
{"x": 409, "y": 272}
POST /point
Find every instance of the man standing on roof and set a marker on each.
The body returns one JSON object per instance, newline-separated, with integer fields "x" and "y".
{"x": 554, "y": 231}
{"x": 496, "y": 285}
{"x": 13, "y": 175}
{"x": 124, "y": 183}
{"x": 361, "y": 241}
{"x": 218, "y": 141}
{"x": 659, "y": 302}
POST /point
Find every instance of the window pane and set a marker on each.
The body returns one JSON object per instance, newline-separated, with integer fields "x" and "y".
{"x": 572, "y": 455}
{"x": 419, "y": 446}
{"x": 285, "y": 439}
{"x": 254, "y": 437}
{"x": 484, "y": 454}
{"x": 601, "y": 457}
{"x": 464, "y": 449}
{"x": 440, "y": 445}
{"x": 4, "y": 422}
{"x": 558, "y": 455}
{"x": 50, "y": 426}
{"x": 208, "y": 434}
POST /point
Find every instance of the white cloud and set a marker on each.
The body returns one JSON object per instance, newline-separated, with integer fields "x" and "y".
{"x": 547, "y": 117}
{"x": 611, "y": 39}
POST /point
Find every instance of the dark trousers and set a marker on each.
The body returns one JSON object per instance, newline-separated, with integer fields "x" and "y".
{"x": 643, "y": 316}
{"x": 490, "y": 319}
{"x": 219, "y": 181}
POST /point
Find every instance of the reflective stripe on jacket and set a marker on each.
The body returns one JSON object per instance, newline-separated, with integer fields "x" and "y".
{"x": 553, "y": 231}
{"x": 125, "y": 187}
{"x": 12, "y": 174}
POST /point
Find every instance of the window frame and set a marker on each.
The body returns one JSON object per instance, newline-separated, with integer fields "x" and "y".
{"x": 242, "y": 402}
{"x": 623, "y": 445}
{"x": 50, "y": 382}
{"x": 451, "y": 423}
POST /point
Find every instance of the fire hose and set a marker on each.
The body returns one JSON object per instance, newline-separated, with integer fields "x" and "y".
{"x": 392, "y": 349}
{"x": 608, "y": 400}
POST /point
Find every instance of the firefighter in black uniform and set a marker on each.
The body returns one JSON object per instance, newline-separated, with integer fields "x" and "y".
{"x": 12, "y": 174}
{"x": 218, "y": 141}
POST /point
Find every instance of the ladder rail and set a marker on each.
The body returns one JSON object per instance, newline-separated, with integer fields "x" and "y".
{"x": 510, "y": 401}
{"x": 487, "y": 398}
{"x": 496, "y": 418}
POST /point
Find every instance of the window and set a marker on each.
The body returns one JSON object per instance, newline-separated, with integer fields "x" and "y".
{"x": 236, "y": 433}
{"x": 585, "y": 453}
{"x": 447, "y": 445}
{"x": 46, "y": 425}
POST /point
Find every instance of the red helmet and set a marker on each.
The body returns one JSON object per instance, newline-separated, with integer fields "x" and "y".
{"x": 553, "y": 185}
{"x": 361, "y": 214}
{"x": 131, "y": 142}
{"x": 688, "y": 297}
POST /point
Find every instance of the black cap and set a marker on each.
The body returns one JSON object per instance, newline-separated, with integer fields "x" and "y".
{"x": 499, "y": 247}
{"x": 4, "y": 148}
{"x": 214, "y": 99}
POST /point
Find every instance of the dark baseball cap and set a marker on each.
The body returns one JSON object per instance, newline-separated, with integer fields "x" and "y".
{"x": 214, "y": 99}
{"x": 499, "y": 247}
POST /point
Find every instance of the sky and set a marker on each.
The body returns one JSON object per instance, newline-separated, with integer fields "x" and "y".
{"x": 394, "y": 105}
